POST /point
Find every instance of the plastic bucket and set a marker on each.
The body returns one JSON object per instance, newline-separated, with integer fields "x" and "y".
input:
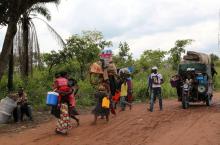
{"x": 4, "y": 117}
{"x": 52, "y": 98}
{"x": 7, "y": 105}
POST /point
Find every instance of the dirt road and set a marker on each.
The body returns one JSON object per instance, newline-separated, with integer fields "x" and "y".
{"x": 199, "y": 125}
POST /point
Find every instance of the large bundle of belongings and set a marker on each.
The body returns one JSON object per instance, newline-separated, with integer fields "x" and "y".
{"x": 7, "y": 105}
{"x": 195, "y": 61}
{"x": 96, "y": 68}
{"x": 105, "y": 67}
{"x": 196, "y": 57}
{"x": 125, "y": 72}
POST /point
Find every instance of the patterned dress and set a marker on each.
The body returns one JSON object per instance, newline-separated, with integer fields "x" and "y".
{"x": 63, "y": 123}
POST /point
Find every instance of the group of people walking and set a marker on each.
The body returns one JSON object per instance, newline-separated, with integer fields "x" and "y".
{"x": 119, "y": 96}
{"x": 116, "y": 92}
{"x": 67, "y": 89}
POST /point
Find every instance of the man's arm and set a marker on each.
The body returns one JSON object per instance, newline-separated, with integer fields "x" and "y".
{"x": 65, "y": 93}
{"x": 215, "y": 72}
{"x": 149, "y": 82}
{"x": 161, "y": 79}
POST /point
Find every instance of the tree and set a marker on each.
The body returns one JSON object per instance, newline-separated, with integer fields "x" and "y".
{"x": 12, "y": 11}
{"x": 52, "y": 59}
{"x": 85, "y": 48}
{"x": 214, "y": 57}
{"x": 27, "y": 40}
{"x": 11, "y": 70}
{"x": 177, "y": 50}
{"x": 81, "y": 49}
{"x": 123, "y": 58}
{"x": 3, "y": 12}
{"x": 97, "y": 38}
{"x": 151, "y": 58}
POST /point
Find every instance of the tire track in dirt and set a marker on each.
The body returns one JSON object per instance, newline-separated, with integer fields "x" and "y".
{"x": 199, "y": 125}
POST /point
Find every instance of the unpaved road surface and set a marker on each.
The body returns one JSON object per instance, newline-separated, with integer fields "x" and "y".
{"x": 199, "y": 125}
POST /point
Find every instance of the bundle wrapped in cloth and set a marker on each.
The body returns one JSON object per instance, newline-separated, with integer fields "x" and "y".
{"x": 96, "y": 68}
{"x": 197, "y": 57}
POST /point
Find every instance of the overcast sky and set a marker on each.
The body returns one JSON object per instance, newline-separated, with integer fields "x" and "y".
{"x": 144, "y": 24}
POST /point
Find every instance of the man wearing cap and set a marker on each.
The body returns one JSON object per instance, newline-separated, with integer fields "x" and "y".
{"x": 155, "y": 80}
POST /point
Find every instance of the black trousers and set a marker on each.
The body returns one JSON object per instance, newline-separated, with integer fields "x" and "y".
{"x": 20, "y": 110}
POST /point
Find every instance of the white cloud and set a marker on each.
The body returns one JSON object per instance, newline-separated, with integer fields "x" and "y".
{"x": 144, "y": 24}
{"x": 204, "y": 36}
{"x": 2, "y": 35}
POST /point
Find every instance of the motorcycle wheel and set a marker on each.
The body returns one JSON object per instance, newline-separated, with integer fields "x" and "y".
{"x": 208, "y": 100}
{"x": 185, "y": 103}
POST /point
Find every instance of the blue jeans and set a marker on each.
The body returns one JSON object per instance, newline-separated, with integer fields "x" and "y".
{"x": 155, "y": 92}
{"x": 123, "y": 102}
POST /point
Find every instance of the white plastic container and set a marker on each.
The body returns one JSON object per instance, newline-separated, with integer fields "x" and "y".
{"x": 4, "y": 117}
{"x": 7, "y": 105}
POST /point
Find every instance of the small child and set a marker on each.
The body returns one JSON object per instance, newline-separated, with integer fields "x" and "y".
{"x": 123, "y": 95}
{"x": 99, "y": 110}
{"x": 72, "y": 108}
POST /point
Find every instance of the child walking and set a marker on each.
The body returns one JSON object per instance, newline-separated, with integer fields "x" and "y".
{"x": 99, "y": 110}
{"x": 124, "y": 93}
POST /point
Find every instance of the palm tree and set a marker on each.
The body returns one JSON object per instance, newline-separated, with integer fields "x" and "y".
{"x": 26, "y": 38}
{"x": 11, "y": 70}
{"x": 11, "y": 12}
{"x": 26, "y": 42}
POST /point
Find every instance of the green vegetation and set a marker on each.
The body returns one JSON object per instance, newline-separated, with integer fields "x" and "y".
{"x": 82, "y": 50}
{"x": 35, "y": 71}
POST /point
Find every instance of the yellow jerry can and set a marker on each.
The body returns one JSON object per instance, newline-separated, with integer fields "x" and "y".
{"x": 105, "y": 102}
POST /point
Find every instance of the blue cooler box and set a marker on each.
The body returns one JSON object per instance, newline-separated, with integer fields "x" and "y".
{"x": 52, "y": 98}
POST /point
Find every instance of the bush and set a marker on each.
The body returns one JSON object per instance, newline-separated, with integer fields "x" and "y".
{"x": 140, "y": 85}
{"x": 41, "y": 81}
{"x": 86, "y": 93}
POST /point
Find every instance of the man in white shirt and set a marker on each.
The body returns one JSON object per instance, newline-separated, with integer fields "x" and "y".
{"x": 155, "y": 80}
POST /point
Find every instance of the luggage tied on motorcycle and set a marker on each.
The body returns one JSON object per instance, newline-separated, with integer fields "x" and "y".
{"x": 197, "y": 57}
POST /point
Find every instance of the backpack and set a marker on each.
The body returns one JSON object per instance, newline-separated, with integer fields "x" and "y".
{"x": 155, "y": 79}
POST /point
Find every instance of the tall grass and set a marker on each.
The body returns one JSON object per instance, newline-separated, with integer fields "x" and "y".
{"x": 41, "y": 82}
